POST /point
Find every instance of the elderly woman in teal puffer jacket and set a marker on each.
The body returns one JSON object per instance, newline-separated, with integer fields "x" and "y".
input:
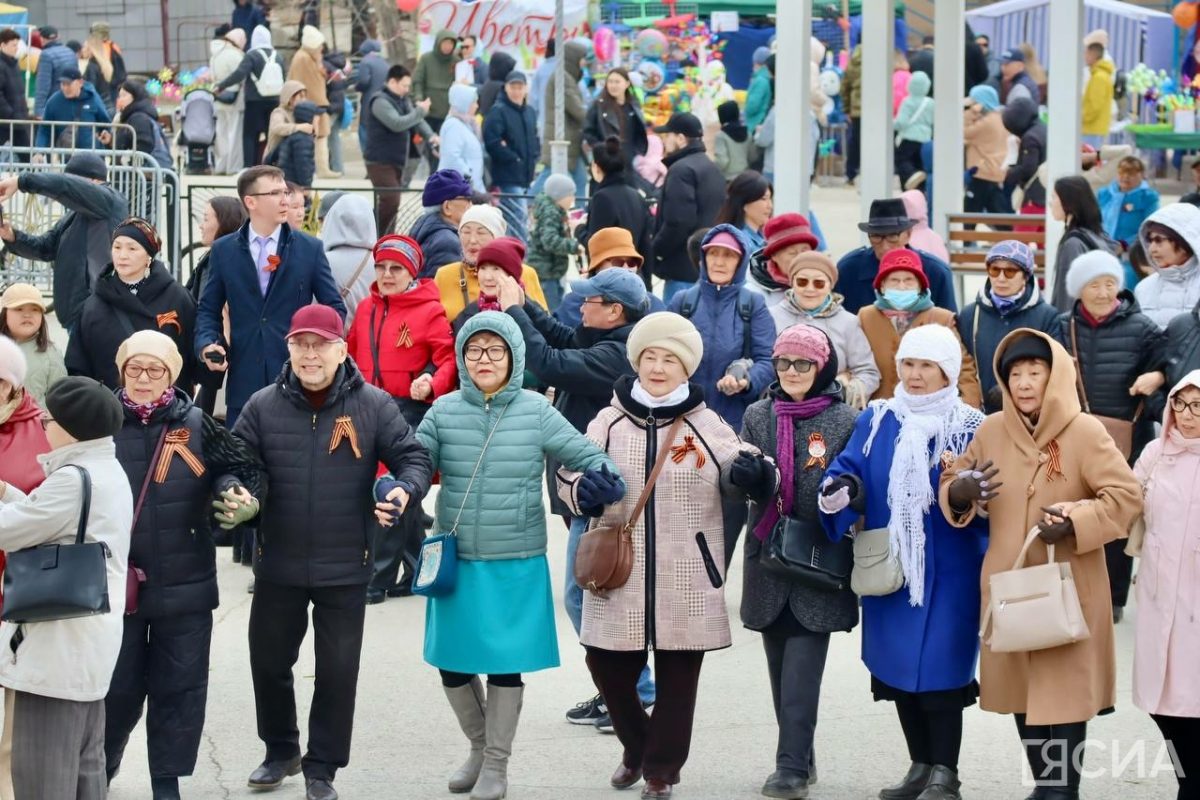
{"x": 490, "y": 440}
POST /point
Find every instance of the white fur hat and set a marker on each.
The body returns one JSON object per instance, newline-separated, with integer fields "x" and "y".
{"x": 935, "y": 343}
{"x": 1091, "y": 265}
{"x": 12, "y": 362}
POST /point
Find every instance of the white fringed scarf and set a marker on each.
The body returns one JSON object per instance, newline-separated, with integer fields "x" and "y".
{"x": 930, "y": 425}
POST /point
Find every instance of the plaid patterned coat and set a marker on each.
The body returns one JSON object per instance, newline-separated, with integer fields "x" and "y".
{"x": 675, "y": 596}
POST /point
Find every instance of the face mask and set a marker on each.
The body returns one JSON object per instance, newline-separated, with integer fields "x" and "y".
{"x": 901, "y": 299}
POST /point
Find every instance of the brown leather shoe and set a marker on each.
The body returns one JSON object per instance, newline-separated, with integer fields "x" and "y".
{"x": 656, "y": 789}
{"x": 625, "y": 777}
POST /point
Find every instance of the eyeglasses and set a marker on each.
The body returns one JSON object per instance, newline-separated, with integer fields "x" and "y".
{"x": 1157, "y": 239}
{"x": 275, "y": 194}
{"x": 388, "y": 269}
{"x": 46, "y": 422}
{"x": 495, "y": 352}
{"x": 320, "y": 347}
{"x": 890, "y": 238}
{"x": 634, "y": 263}
{"x": 817, "y": 283}
{"x": 1009, "y": 273}
{"x": 801, "y": 365}
{"x": 598, "y": 301}
{"x": 135, "y": 371}
{"x": 1178, "y": 405}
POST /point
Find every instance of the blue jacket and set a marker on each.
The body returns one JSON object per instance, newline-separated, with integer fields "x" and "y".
{"x": 502, "y": 515}
{"x": 570, "y": 309}
{"x": 439, "y": 242}
{"x": 721, "y": 327}
{"x": 1124, "y": 212}
{"x": 758, "y": 98}
{"x": 249, "y": 17}
{"x": 87, "y": 107}
{"x": 371, "y": 75}
{"x": 55, "y": 58}
{"x": 511, "y": 138}
{"x": 462, "y": 150}
{"x": 933, "y": 646}
{"x": 858, "y": 268}
{"x": 258, "y": 324}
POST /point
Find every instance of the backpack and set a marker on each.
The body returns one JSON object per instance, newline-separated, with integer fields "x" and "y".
{"x": 745, "y": 309}
{"x": 269, "y": 82}
{"x": 162, "y": 151}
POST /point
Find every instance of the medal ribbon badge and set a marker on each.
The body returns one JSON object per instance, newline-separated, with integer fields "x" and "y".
{"x": 816, "y": 451}
{"x": 343, "y": 430}
{"x": 679, "y": 452}
{"x": 176, "y": 444}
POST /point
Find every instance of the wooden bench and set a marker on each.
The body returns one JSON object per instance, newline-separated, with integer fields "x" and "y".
{"x": 968, "y": 248}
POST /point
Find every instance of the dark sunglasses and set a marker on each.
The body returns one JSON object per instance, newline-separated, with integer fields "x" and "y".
{"x": 817, "y": 283}
{"x": 1009, "y": 273}
{"x": 801, "y": 365}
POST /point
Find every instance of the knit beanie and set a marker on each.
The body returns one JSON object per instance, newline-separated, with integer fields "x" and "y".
{"x": 901, "y": 260}
{"x": 489, "y": 217}
{"x": 506, "y": 253}
{"x": 559, "y": 186}
{"x": 1023, "y": 348}
{"x": 443, "y": 185}
{"x": 803, "y": 341}
{"x": 311, "y": 38}
{"x": 84, "y": 408}
{"x": 760, "y": 55}
{"x": 87, "y": 165}
{"x": 406, "y": 251}
{"x": 1091, "y": 265}
{"x": 153, "y": 344}
{"x": 327, "y": 201}
{"x": 671, "y": 332}
{"x": 985, "y": 96}
{"x": 814, "y": 260}
{"x": 12, "y": 362}
{"x": 935, "y": 343}
{"x": 1018, "y": 253}
{"x": 461, "y": 97}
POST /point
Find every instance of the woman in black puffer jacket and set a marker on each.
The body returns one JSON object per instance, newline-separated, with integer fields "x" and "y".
{"x": 1119, "y": 353}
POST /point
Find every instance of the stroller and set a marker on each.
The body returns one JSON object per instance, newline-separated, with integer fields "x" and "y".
{"x": 198, "y": 130}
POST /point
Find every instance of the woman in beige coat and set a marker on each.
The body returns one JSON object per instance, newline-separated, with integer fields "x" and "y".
{"x": 1061, "y": 473}
{"x": 308, "y": 67}
{"x": 678, "y": 546}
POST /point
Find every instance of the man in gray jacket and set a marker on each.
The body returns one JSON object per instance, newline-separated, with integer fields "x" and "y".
{"x": 369, "y": 79}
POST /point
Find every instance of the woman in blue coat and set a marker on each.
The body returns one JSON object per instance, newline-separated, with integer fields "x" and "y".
{"x": 921, "y": 642}
{"x": 490, "y": 440}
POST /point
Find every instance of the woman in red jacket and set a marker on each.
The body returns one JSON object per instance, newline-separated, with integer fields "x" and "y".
{"x": 402, "y": 343}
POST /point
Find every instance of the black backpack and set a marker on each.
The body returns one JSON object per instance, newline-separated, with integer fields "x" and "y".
{"x": 745, "y": 308}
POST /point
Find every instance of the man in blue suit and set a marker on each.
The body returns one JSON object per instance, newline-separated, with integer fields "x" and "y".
{"x": 265, "y": 271}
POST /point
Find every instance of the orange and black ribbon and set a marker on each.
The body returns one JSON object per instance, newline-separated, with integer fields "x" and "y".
{"x": 343, "y": 428}
{"x": 816, "y": 451}
{"x": 1054, "y": 455}
{"x": 679, "y": 452}
{"x": 176, "y": 444}
{"x": 405, "y": 338}
{"x": 169, "y": 318}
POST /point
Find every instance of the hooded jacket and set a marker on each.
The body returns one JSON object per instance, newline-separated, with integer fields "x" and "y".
{"x": 296, "y": 155}
{"x": 253, "y": 63}
{"x": 1021, "y": 119}
{"x": 574, "y": 109}
{"x": 914, "y": 120}
{"x": 114, "y": 313}
{"x": 1098, "y": 99}
{"x": 224, "y": 57}
{"x": 1066, "y": 456}
{"x": 1172, "y": 291}
{"x": 283, "y": 119}
{"x": 87, "y": 107}
{"x": 371, "y": 75}
{"x": 510, "y": 136}
{"x": 716, "y": 317}
{"x": 502, "y": 515}
{"x": 142, "y": 116}
{"x": 22, "y": 440}
{"x": 308, "y": 68}
{"x": 691, "y": 197}
{"x": 491, "y": 91}
{"x": 434, "y": 76}
{"x": 1124, "y": 212}
{"x": 1166, "y": 638}
{"x": 349, "y": 237}
{"x": 921, "y": 236}
{"x": 986, "y": 140}
{"x": 439, "y": 241}
{"x": 758, "y": 97}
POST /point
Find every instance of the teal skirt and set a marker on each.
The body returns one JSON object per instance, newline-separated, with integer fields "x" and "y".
{"x": 498, "y": 621}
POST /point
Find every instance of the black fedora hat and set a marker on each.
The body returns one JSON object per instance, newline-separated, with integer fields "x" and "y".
{"x": 887, "y": 216}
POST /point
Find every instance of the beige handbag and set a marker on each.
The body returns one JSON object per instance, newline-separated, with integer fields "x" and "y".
{"x": 1033, "y": 608}
{"x": 875, "y": 572}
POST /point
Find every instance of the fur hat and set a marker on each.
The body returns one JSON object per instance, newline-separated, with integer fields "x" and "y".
{"x": 1091, "y": 265}
{"x": 935, "y": 343}
{"x": 13, "y": 366}
{"x": 673, "y": 333}
{"x": 488, "y": 216}
{"x": 153, "y": 344}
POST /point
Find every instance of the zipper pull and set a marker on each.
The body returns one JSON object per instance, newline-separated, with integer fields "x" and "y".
{"x": 314, "y": 421}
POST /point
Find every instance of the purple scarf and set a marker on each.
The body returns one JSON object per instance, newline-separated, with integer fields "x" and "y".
{"x": 786, "y": 412}
{"x": 144, "y": 410}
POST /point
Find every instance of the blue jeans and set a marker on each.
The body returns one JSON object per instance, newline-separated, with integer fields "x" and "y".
{"x": 573, "y": 600}
{"x": 335, "y": 145}
{"x": 674, "y": 287}
{"x": 515, "y": 209}
{"x": 553, "y": 289}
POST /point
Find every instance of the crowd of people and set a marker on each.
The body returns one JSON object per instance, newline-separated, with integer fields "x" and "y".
{"x": 841, "y": 404}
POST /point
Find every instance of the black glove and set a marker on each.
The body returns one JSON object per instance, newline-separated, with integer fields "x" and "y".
{"x": 977, "y": 483}
{"x": 597, "y": 489}
{"x": 1055, "y": 533}
{"x": 838, "y": 483}
{"x": 754, "y": 474}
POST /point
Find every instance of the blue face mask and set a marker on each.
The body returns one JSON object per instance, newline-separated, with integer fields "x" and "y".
{"x": 901, "y": 299}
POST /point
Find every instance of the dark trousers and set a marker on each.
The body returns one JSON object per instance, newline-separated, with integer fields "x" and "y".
{"x": 908, "y": 159}
{"x": 853, "y": 157}
{"x": 734, "y": 513}
{"x": 1054, "y": 752}
{"x": 386, "y": 179}
{"x": 57, "y": 749}
{"x": 453, "y": 680}
{"x": 255, "y": 121}
{"x": 397, "y": 546}
{"x": 986, "y": 197}
{"x": 1183, "y": 734}
{"x": 657, "y": 742}
{"x": 278, "y": 623}
{"x": 933, "y": 732}
{"x": 796, "y": 664}
{"x": 1120, "y": 571}
{"x": 163, "y": 664}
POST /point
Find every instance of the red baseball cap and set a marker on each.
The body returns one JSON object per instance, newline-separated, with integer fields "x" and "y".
{"x": 318, "y": 319}
{"x": 902, "y": 260}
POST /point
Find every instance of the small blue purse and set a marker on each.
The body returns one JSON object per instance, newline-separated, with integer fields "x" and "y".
{"x": 437, "y": 565}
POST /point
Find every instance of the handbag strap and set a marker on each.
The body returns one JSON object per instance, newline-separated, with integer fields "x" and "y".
{"x": 475, "y": 472}
{"x": 462, "y": 283}
{"x": 1018, "y": 564}
{"x": 137, "y": 510}
{"x": 345, "y": 290}
{"x": 86, "y": 510}
{"x": 1078, "y": 368}
{"x": 652, "y": 478}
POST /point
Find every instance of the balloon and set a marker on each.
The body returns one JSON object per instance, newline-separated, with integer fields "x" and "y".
{"x": 1185, "y": 15}
{"x": 651, "y": 43}
{"x": 653, "y": 75}
{"x": 605, "y": 42}
{"x": 407, "y": 6}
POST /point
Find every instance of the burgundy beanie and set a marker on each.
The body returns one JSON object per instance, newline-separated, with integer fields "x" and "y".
{"x": 506, "y": 253}
{"x": 803, "y": 341}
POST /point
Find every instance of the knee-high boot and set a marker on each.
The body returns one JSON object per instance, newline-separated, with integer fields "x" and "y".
{"x": 503, "y": 713}
{"x": 470, "y": 707}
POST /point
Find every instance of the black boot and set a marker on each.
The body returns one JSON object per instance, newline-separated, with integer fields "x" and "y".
{"x": 943, "y": 785}
{"x": 270, "y": 774}
{"x": 912, "y": 785}
{"x": 165, "y": 788}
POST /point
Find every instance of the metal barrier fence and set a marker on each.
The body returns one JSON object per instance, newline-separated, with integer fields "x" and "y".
{"x": 151, "y": 191}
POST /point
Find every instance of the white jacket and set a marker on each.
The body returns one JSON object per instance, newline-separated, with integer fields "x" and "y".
{"x": 71, "y": 659}
{"x": 1170, "y": 292}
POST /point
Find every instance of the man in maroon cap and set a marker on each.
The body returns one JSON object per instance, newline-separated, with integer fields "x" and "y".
{"x": 321, "y": 430}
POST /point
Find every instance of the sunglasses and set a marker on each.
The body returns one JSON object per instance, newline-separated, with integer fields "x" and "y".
{"x": 995, "y": 271}
{"x": 817, "y": 283}
{"x": 635, "y": 263}
{"x": 801, "y": 365}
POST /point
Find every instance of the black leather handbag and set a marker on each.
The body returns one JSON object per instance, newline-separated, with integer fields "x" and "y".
{"x": 59, "y": 581}
{"x": 798, "y": 550}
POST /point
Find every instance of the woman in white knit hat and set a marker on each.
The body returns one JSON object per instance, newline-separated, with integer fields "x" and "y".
{"x": 678, "y": 572}
{"x": 458, "y": 282}
{"x": 920, "y": 641}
